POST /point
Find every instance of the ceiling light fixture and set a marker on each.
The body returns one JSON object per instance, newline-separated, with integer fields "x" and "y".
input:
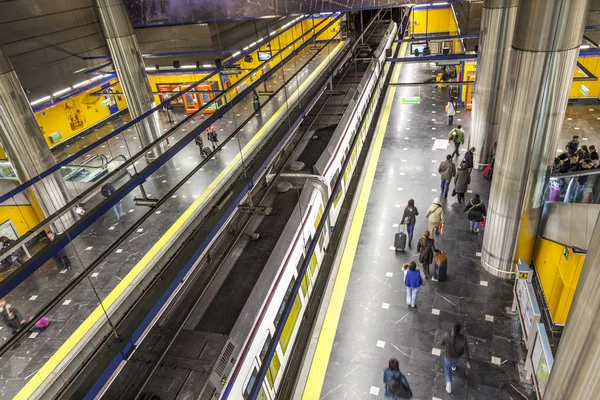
{"x": 80, "y": 84}
{"x": 63, "y": 91}
{"x": 38, "y": 101}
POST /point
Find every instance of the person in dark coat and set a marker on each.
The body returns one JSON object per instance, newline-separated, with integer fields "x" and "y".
{"x": 455, "y": 345}
{"x": 409, "y": 218}
{"x": 413, "y": 282}
{"x": 61, "y": 255}
{"x": 572, "y": 146}
{"x": 11, "y": 317}
{"x": 469, "y": 158}
{"x": 477, "y": 213}
{"x": 462, "y": 181}
{"x": 426, "y": 248}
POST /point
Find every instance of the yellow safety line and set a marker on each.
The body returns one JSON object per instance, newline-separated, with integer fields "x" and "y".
{"x": 46, "y": 370}
{"x": 318, "y": 368}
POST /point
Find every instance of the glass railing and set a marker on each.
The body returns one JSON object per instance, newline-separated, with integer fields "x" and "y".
{"x": 112, "y": 235}
{"x": 574, "y": 187}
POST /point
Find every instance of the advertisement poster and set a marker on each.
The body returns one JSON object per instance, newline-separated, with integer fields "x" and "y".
{"x": 176, "y": 12}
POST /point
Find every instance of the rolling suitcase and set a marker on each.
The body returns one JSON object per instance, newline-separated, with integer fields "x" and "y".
{"x": 400, "y": 240}
{"x": 441, "y": 266}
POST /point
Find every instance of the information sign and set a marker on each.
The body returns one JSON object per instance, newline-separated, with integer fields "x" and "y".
{"x": 411, "y": 100}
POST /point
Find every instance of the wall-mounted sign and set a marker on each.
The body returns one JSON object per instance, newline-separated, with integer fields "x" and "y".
{"x": 106, "y": 102}
{"x": 233, "y": 70}
{"x": 55, "y": 137}
{"x": 585, "y": 91}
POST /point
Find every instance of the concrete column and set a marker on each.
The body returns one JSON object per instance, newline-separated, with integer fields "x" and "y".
{"x": 576, "y": 373}
{"x": 495, "y": 39}
{"x": 546, "y": 44}
{"x": 26, "y": 148}
{"x": 127, "y": 60}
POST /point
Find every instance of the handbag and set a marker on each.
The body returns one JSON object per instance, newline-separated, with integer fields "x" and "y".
{"x": 483, "y": 223}
{"x": 406, "y": 220}
{"x": 441, "y": 228}
{"x": 400, "y": 387}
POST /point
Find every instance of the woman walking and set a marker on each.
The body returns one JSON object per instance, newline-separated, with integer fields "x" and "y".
{"x": 412, "y": 282}
{"x": 409, "y": 218}
{"x": 426, "y": 248}
{"x": 435, "y": 214}
{"x": 477, "y": 213}
{"x": 462, "y": 181}
{"x": 395, "y": 383}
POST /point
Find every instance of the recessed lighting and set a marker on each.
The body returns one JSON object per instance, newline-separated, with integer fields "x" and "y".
{"x": 63, "y": 91}
{"x": 38, "y": 101}
{"x": 80, "y": 84}
{"x": 584, "y": 46}
{"x": 206, "y": 66}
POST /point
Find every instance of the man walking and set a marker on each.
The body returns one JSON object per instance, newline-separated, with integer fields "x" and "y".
{"x": 457, "y": 136}
{"x": 108, "y": 190}
{"x": 469, "y": 158}
{"x": 61, "y": 255}
{"x": 447, "y": 171}
{"x": 572, "y": 146}
{"x": 455, "y": 346}
{"x": 450, "y": 111}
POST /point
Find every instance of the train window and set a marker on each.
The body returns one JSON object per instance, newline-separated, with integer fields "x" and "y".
{"x": 322, "y": 239}
{"x": 248, "y": 389}
{"x": 288, "y": 329}
{"x": 288, "y": 293}
{"x": 319, "y": 216}
{"x": 300, "y": 262}
{"x": 275, "y": 363}
{"x": 307, "y": 244}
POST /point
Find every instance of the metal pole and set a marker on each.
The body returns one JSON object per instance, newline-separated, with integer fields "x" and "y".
{"x": 26, "y": 148}
{"x": 545, "y": 48}
{"x": 495, "y": 40}
{"x": 128, "y": 62}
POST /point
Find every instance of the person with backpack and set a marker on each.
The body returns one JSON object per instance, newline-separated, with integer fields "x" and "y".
{"x": 426, "y": 249}
{"x": 447, "y": 171}
{"x": 477, "y": 213}
{"x": 409, "y": 218}
{"x": 456, "y": 136}
{"x": 11, "y": 317}
{"x": 435, "y": 214}
{"x": 461, "y": 182}
{"x": 395, "y": 384}
{"x": 413, "y": 282}
{"x": 211, "y": 134}
{"x": 16, "y": 259}
{"x": 108, "y": 190}
{"x": 450, "y": 111}
{"x": 204, "y": 151}
{"x": 61, "y": 255}
{"x": 455, "y": 345}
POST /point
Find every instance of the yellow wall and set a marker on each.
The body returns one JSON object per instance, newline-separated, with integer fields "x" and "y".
{"x": 435, "y": 21}
{"x": 558, "y": 276}
{"x": 23, "y": 217}
{"x": 593, "y": 65}
{"x": 75, "y": 114}
{"x": 80, "y": 112}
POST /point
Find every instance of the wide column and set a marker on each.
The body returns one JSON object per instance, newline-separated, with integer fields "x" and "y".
{"x": 576, "y": 370}
{"x": 495, "y": 40}
{"x": 26, "y": 148}
{"x": 545, "y": 49}
{"x": 130, "y": 68}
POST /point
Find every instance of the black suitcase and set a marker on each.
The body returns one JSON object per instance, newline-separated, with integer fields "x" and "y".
{"x": 439, "y": 271}
{"x": 400, "y": 241}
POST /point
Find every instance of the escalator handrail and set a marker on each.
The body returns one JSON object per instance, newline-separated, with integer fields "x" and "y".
{"x": 595, "y": 171}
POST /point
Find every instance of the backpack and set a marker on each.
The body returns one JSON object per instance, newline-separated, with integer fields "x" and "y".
{"x": 198, "y": 140}
{"x": 400, "y": 387}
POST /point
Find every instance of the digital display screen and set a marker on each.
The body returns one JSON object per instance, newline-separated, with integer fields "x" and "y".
{"x": 264, "y": 55}
{"x": 417, "y": 46}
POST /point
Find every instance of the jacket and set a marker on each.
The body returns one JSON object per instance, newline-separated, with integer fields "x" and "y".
{"x": 572, "y": 147}
{"x": 476, "y": 211}
{"x": 469, "y": 159}
{"x": 199, "y": 141}
{"x": 462, "y": 181}
{"x": 410, "y": 215}
{"x": 447, "y": 170}
{"x": 455, "y": 346}
{"x": 457, "y": 135}
{"x": 212, "y": 135}
{"x": 413, "y": 279}
{"x": 426, "y": 247}
{"x": 389, "y": 375}
{"x": 435, "y": 213}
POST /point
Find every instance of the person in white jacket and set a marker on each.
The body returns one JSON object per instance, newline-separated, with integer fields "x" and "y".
{"x": 450, "y": 111}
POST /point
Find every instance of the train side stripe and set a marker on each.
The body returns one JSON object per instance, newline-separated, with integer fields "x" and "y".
{"x": 320, "y": 361}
